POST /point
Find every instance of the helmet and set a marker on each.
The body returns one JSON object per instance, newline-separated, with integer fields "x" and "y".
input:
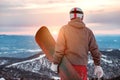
{"x": 75, "y": 13}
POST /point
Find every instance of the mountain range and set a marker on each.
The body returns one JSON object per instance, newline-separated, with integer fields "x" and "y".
{"x": 37, "y": 67}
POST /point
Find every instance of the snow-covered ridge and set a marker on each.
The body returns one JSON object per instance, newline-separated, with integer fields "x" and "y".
{"x": 40, "y": 65}
{"x": 15, "y": 64}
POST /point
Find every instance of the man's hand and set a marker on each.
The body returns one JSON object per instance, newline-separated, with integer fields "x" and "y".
{"x": 98, "y": 71}
{"x": 54, "y": 67}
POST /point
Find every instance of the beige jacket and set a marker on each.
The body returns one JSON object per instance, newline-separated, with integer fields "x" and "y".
{"x": 74, "y": 41}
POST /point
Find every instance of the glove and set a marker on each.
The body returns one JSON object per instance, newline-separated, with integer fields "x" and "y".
{"x": 98, "y": 71}
{"x": 54, "y": 67}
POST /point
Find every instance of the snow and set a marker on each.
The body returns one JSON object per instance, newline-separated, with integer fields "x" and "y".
{"x": 107, "y": 61}
{"x": 90, "y": 61}
{"x": 2, "y": 79}
{"x": 41, "y": 56}
{"x": 109, "y": 50}
{"x": 104, "y": 56}
{"x": 55, "y": 78}
{"x": 30, "y": 50}
{"x": 2, "y": 62}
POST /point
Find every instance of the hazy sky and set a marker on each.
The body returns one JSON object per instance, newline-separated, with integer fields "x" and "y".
{"x": 27, "y": 16}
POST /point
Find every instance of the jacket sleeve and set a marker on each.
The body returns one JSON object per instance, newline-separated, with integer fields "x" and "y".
{"x": 59, "y": 47}
{"x": 93, "y": 48}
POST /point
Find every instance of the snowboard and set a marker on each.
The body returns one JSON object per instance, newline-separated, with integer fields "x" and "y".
{"x": 47, "y": 43}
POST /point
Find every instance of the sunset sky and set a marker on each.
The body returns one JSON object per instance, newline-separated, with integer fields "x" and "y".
{"x": 25, "y": 17}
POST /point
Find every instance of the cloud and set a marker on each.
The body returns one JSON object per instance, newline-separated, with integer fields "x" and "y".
{"x": 28, "y": 20}
{"x": 19, "y": 30}
{"x": 7, "y": 4}
{"x": 30, "y": 4}
{"x": 111, "y": 17}
{"x": 35, "y": 13}
{"x": 18, "y": 20}
{"x": 103, "y": 19}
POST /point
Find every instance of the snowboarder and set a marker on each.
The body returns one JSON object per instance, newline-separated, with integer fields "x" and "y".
{"x": 74, "y": 41}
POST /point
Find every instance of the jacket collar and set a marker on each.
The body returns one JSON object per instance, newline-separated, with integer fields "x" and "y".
{"x": 77, "y": 23}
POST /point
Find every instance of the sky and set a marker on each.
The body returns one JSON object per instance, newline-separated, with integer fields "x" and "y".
{"x": 25, "y": 17}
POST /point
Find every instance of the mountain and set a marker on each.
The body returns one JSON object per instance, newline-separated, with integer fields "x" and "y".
{"x": 32, "y": 68}
{"x": 37, "y": 67}
{"x": 110, "y": 63}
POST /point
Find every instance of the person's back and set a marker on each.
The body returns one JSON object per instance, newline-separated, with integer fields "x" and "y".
{"x": 74, "y": 41}
{"x": 77, "y": 37}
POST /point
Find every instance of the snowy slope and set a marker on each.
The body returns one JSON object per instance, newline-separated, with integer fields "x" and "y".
{"x": 110, "y": 62}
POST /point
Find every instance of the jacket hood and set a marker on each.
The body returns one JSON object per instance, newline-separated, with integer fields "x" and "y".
{"x": 77, "y": 23}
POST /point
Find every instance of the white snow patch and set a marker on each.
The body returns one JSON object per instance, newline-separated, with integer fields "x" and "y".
{"x": 108, "y": 61}
{"x": 4, "y": 48}
{"x": 104, "y": 56}
{"x": 109, "y": 50}
{"x": 41, "y": 56}
{"x": 90, "y": 61}
{"x": 55, "y": 78}
{"x": 30, "y": 50}
{"x": 2, "y": 78}
{"x": 2, "y": 62}
{"x": 119, "y": 49}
